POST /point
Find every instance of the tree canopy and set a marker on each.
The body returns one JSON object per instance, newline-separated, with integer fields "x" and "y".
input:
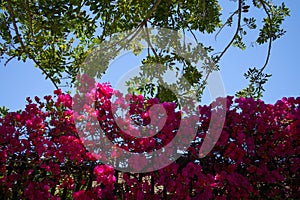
{"x": 58, "y": 35}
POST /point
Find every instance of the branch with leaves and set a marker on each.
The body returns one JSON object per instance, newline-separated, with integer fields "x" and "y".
{"x": 59, "y": 35}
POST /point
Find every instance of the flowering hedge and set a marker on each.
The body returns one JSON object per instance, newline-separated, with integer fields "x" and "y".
{"x": 256, "y": 156}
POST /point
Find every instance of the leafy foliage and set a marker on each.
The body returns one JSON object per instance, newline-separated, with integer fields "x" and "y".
{"x": 255, "y": 88}
{"x": 3, "y": 111}
{"x": 59, "y": 35}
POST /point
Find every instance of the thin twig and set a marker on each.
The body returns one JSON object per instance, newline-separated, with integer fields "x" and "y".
{"x": 134, "y": 35}
{"x": 189, "y": 28}
{"x": 227, "y": 21}
{"x": 8, "y": 60}
{"x": 149, "y": 43}
{"x": 239, "y": 10}
{"x": 270, "y": 39}
{"x": 193, "y": 34}
{"x": 236, "y": 32}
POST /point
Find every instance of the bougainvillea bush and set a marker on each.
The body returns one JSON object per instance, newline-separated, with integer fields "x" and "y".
{"x": 256, "y": 156}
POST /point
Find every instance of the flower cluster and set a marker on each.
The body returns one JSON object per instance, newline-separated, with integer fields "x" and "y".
{"x": 44, "y": 155}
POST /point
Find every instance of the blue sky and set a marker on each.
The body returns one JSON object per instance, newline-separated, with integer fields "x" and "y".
{"x": 19, "y": 80}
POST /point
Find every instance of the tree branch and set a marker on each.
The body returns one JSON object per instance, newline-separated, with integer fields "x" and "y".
{"x": 138, "y": 28}
{"x": 149, "y": 43}
{"x": 189, "y": 28}
{"x": 270, "y": 38}
{"x": 239, "y": 10}
{"x": 227, "y": 21}
{"x": 11, "y": 12}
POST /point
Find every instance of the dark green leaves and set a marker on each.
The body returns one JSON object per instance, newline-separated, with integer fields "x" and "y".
{"x": 271, "y": 28}
{"x": 257, "y": 80}
{"x": 58, "y": 35}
